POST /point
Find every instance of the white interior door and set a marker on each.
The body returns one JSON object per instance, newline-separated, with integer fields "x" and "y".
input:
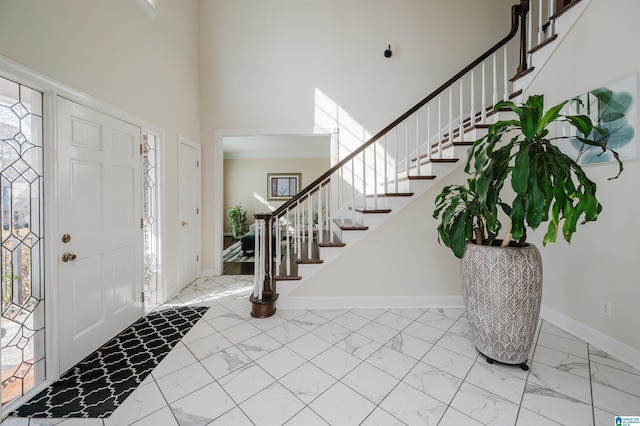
{"x": 189, "y": 212}
{"x": 100, "y": 199}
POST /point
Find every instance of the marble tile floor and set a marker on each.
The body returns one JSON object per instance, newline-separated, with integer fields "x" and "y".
{"x": 363, "y": 367}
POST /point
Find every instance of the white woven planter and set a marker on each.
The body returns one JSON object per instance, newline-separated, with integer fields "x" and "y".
{"x": 502, "y": 290}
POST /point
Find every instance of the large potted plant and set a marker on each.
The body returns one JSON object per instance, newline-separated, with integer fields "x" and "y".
{"x": 517, "y": 174}
{"x": 238, "y": 221}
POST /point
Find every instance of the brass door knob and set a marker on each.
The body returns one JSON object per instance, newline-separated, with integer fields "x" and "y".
{"x": 183, "y": 223}
{"x": 66, "y": 257}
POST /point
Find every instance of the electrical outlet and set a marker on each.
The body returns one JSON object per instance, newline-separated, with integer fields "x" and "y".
{"x": 606, "y": 309}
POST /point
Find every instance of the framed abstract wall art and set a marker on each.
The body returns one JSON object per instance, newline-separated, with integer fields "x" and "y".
{"x": 613, "y": 108}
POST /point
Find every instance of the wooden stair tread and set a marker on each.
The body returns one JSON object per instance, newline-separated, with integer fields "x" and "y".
{"x": 434, "y": 147}
{"x": 546, "y": 42}
{"x": 309, "y": 261}
{"x": 287, "y": 278}
{"x": 365, "y": 210}
{"x": 421, "y": 177}
{"x": 393, "y": 194}
{"x": 444, "y": 160}
{"x": 348, "y": 224}
{"x": 331, "y": 244}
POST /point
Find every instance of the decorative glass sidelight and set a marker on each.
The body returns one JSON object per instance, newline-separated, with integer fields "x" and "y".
{"x": 21, "y": 180}
{"x": 151, "y": 240}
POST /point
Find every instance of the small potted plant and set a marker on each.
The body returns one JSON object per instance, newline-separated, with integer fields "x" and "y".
{"x": 502, "y": 278}
{"x": 238, "y": 221}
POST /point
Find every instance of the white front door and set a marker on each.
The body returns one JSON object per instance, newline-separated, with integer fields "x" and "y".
{"x": 100, "y": 248}
{"x": 189, "y": 212}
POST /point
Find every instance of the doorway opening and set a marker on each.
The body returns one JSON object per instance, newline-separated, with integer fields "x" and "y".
{"x": 248, "y": 160}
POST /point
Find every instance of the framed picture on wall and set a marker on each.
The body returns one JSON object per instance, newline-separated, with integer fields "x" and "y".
{"x": 282, "y": 186}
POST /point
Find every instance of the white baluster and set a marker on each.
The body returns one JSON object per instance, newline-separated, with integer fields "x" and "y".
{"x": 353, "y": 191}
{"x": 300, "y": 227}
{"x": 406, "y": 146}
{"x": 418, "y": 160}
{"x": 328, "y": 209}
{"x": 375, "y": 176}
{"x": 440, "y": 132}
{"x": 530, "y": 30}
{"x": 472, "y": 113}
{"x": 495, "y": 80}
{"x": 309, "y": 224}
{"x": 551, "y": 27}
{"x": 429, "y": 137}
{"x": 461, "y": 130}
{"x": 450, "y": 116}
{"x": 483, "y": 107}
{"x": 540, "y": 21}
{"x": 385, "y": 166}
{"x": 341, "y": 196}
{"x": 277, "y": 236}
{"x": 320, "y": 237}
{"x": 288, "y": 251}
{"x": 506, "y": 76}
{"x": 395, "y": 156}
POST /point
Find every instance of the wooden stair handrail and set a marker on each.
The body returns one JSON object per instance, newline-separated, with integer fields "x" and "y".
{"x": 516, "y": 12}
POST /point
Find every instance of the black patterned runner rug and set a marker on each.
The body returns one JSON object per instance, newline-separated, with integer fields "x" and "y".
{"x": 102, "y": 381}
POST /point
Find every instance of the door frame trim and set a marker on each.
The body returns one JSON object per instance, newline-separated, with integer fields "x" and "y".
{"x": 51, "y": 89}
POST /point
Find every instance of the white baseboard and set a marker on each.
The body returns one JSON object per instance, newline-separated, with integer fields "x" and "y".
{"x": 355, "y": 302}
{"x": 611, "y": 346}
{"x": 208, "y": 273}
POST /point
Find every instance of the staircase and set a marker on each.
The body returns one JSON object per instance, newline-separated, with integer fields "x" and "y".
{"x": 401, "y": 162}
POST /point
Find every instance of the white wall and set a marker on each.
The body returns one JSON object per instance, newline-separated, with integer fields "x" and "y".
{"x": 305, "y": 64}
{"x": 112, "y": 51}
{"x": 600, "y": 264}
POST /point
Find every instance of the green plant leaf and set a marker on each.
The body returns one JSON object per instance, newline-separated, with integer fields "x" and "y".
{"x": 551, "y": 115}
{"x": 529, "y": 118}
{"x": 517, "y": 218}
{"x": 581, "y": 122}
{"x": 552, "y": 232}
{"x": 520, "y": 175}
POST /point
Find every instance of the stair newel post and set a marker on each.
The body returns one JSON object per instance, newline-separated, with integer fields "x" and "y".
{"x": 264, "y": 295}
{"x": 524, "y": 10}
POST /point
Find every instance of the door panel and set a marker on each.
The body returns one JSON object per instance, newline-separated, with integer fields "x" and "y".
{"x": 189, "y": 213}
{"x": 100, "y": 193}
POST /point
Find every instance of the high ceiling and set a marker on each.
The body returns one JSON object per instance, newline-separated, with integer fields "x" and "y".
{"x": 277, "y": 146}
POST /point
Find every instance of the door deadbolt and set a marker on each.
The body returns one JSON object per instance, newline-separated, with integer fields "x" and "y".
{"x": 66, "y": 257}
{"x": 66, "y": 238}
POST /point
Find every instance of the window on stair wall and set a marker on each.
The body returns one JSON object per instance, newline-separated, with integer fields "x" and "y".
{"x": 21, "y": 180}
